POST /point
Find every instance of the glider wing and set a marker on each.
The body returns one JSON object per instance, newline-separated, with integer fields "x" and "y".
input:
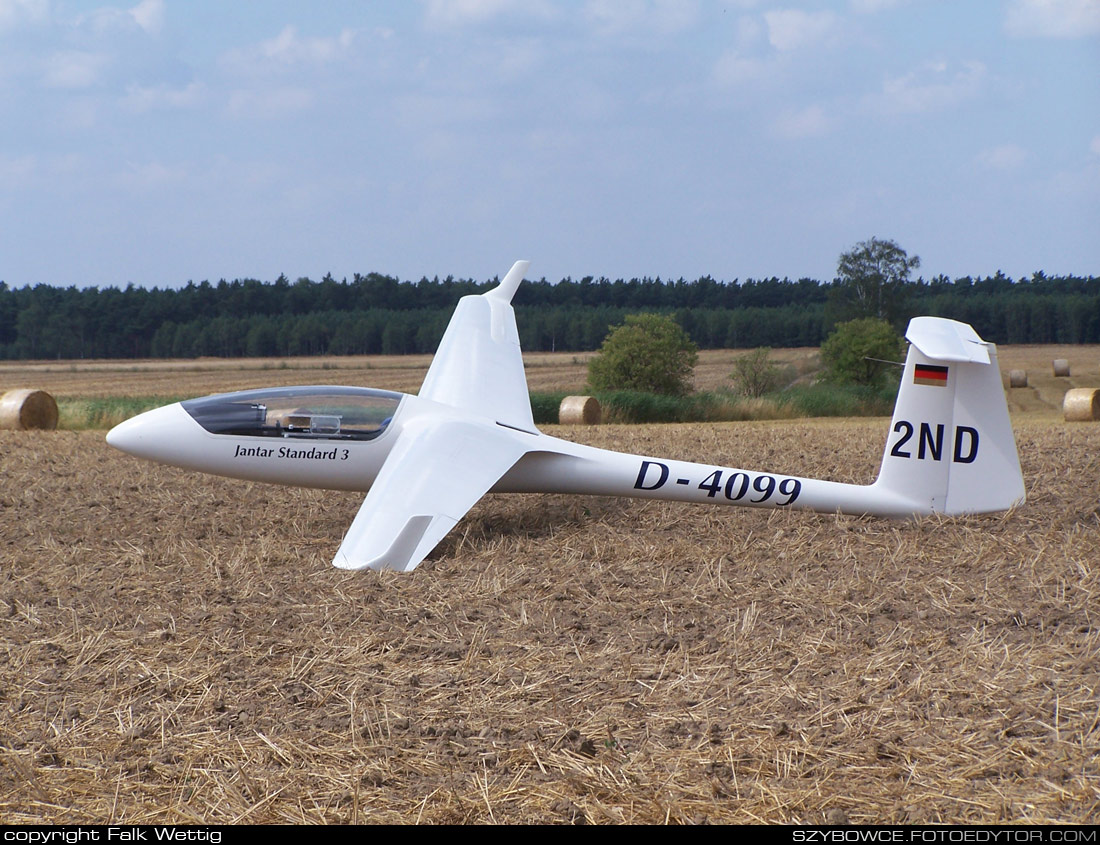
{"x": 437, "y": 471}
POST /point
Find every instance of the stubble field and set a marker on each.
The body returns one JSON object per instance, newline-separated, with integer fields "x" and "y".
{"x": 546, "y": 371}
{"x": 177, "y": 648}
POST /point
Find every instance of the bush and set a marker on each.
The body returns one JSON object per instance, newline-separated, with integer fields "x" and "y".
{"x": 755, "y": 374}
{"x": 861, "y": 352}
{"x": 650, "y": 352}
{"x": 545, "y": 406}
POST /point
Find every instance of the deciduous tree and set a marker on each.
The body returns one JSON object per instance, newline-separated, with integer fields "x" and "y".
{"x": 649, "y": 352}
{"x": 873, "y": 281}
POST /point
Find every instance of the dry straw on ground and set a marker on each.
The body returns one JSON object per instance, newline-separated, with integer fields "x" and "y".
{"x": 1082, "y": 404}
{"x": 177, "y": 648}
{"x": 580, "y": 410}
{"x": 27, "y": 409}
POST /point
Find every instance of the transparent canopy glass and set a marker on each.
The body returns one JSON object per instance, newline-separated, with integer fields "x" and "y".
{"x": 315, "y": 412}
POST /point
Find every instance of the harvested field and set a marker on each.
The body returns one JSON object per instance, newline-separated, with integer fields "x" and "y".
{"x": 546, "y": 371}
{"x": 178, "y": 649}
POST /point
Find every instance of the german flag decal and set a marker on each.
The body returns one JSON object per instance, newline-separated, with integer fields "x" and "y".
{"x": 930, "y": 374}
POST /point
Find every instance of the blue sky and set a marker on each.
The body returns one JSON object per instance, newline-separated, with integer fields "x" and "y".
{"x": 168, "y": 140}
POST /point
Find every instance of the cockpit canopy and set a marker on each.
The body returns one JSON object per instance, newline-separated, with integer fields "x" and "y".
{"x": 313, "y": 412}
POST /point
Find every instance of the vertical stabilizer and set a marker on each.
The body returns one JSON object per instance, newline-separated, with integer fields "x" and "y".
{"x": 951, "y": 448}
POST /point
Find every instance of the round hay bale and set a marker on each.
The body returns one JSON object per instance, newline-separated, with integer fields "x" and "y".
{"x": 24, "y": 409}
{"x": 1017, "y": 378}
{"x": 580, "y": 410}
{"x": 1082, "y": 404}
{"x": 1061, "y": 367}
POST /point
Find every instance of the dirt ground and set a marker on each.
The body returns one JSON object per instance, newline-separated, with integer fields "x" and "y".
{"x": 177, "y": 648}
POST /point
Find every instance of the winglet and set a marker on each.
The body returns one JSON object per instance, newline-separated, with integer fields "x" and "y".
{"x": 508, "y": 285}
{"x": 401, "y": 554}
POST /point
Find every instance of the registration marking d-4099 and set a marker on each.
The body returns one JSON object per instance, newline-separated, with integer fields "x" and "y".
{"x": 754, "y": 488}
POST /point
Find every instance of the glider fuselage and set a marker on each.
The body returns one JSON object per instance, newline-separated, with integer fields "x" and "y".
{"x": 209, "y": 435}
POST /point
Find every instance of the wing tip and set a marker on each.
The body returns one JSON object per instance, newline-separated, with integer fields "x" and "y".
{"x": 400, "y": 555}
{"x": 508, "y": 285}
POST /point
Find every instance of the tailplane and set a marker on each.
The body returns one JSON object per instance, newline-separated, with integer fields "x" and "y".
{"x": 951, "y": 449}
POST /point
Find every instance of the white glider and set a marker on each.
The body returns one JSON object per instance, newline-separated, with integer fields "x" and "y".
{"x": 425, "y": 460}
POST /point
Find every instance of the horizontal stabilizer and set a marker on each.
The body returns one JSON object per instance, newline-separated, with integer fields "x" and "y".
{"x": 947, "y": 340}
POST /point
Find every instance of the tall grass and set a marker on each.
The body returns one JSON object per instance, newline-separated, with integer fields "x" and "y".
{"x": 628, "y": 406}
{"x": 819, "y": 400}
{"x": 832, "y": 400}
{"x": 544, "y": 407}
{"x": 78, "y": 413}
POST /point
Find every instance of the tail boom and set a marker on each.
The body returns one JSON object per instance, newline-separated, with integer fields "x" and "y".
{"x": 577, "y": 470}
{"x": 950, "y": 450}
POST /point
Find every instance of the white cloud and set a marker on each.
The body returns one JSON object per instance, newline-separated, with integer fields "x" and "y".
{"x": 1094, "y": 146}
{"x": 426, "y": 114}
{"x": 1053, "y": 18}
{"x": 269, "y": 104}
{"x": 733, "y": 69}
{"x": 288, "y": 47}
{"x": 73, "y": 69}
{"x": 870, "y": 7}
{"x": 792, "y": 29}
{"x": 141, "y": 98}
{"x": 517, "y": 57}
{"x": 24, "y": 170}
{"x": 450, "y": 13}
{"x": 152, "y": 175}
{"x": 802, "y": 123}
{"x": 15, "y": 12}
{"x": 78, "y": 114}
{"x": 931, "y": 88}
{"x": 748, "y": 32}
{"x": 661, "y": 16}
{"x": 18, "y": 170}
{"x": 1003, "y": 157}
{"x": 149, "y": 15}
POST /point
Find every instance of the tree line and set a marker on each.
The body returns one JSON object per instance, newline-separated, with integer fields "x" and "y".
{"x": 378, "y": 314}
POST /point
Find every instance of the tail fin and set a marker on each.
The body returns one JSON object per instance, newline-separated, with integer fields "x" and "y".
{"x": 951, "y": 448}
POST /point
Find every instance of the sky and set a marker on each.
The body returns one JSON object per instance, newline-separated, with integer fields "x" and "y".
{"x": 170, "y": 141}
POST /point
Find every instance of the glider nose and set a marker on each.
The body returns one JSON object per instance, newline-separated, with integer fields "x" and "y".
{"x": 152, "y": 434}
